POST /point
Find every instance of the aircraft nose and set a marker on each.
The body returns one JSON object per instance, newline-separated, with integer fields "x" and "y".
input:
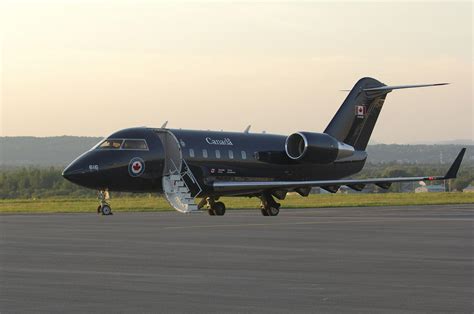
{"x": 73, "y": 172}
{"x": 66, "y": 173}
{"x": 80, "y": 172}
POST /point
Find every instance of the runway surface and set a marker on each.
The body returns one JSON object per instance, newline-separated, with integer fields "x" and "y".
{"x": 388, "y": 259}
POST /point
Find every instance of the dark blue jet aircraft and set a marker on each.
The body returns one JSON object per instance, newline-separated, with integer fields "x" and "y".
{"x": 185, "y": 164}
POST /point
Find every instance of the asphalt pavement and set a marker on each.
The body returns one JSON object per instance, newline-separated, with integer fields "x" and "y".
{"x": 387, "y": 259}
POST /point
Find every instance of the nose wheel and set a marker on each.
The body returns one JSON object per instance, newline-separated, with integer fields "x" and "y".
{"x": 104, "y": 207}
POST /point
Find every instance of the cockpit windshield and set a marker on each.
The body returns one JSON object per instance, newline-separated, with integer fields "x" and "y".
{"x": 110, "y": 144}
{"x": 123, "y": 144}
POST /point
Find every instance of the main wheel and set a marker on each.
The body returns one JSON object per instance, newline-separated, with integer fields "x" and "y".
{"x": 106, "y": 210}
{"x": 219, "y": 208}
{"x": 264, "y": 211}
{"x": 273, "y": 211}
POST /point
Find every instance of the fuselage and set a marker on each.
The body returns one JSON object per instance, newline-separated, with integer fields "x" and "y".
{"x": 136, "y": 159}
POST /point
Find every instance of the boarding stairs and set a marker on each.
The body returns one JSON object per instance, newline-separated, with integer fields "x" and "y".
{"x": 181, "y": 187}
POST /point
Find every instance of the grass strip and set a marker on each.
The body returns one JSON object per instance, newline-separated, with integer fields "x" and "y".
{"x": 148, "y": 203}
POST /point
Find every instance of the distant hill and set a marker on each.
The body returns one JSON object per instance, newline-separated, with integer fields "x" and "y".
{"x": 421, "y": 154}
{"x": 43, "y": 151}
{"x": 61, "y": 150}
{"x": 451, "y": 142}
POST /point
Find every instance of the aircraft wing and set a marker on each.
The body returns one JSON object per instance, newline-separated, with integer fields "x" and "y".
{"x": 333, "y": 185}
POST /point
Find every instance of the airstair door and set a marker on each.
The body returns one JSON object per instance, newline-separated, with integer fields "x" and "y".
{"x": 179, "y": 185}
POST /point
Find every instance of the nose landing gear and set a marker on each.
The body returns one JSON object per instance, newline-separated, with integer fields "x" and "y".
{"x": 104, "y": 207}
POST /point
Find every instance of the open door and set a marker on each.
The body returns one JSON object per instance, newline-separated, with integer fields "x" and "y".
{"x": 178, "y": 181}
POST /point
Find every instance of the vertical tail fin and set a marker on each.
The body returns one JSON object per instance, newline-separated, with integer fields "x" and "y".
{"x": 355, "y": 120}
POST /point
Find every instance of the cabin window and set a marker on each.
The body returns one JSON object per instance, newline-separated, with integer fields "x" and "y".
{"x": 218, "y": 153}
{"x": 204, "y": 153}
{"x": 135, "y": 144}
{"x": 191, "y": 152}
{"x": 110, "y": 144}
{"x": 244, "y": 155}
{"x": 231, "y": 154}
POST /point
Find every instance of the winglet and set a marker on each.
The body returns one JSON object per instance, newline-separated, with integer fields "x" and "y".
{"x": 453, "y": 170}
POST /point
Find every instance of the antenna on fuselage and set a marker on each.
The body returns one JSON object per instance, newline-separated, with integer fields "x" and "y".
{"x": 247, "y": 129}
{"x": 164, "y": 124}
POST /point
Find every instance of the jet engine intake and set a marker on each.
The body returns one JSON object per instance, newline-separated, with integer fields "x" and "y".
{"x": 316, "y": 148}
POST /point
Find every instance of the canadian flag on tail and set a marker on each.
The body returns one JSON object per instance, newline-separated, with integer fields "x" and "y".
{"x": 361, "y": 111}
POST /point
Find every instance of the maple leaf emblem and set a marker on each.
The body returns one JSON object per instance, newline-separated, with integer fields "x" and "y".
{"x": 136, "y": 166}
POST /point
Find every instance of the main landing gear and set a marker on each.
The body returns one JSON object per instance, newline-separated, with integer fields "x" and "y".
{"x": 268, "y": 206}
{"x": 104, "y": 207}
{"x": 214, "y": 208}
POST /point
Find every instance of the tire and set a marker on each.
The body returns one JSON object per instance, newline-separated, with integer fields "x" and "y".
{"x": 264, "y": 212}
{"x": 106, "y": 210}
{"x": 273, "y": 211}
{"x": 211, "y": 212}
{"x": 219, "y": 208}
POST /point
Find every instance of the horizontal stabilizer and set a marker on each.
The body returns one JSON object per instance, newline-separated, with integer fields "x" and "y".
{"x": 390, "y": 88}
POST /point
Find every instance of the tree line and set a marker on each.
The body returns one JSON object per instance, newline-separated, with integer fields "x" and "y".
{"x": 39, "y": 182}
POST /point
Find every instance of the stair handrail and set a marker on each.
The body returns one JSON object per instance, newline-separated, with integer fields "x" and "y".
{"x": 193, "y": 178}
{"x": 190, "y": 175}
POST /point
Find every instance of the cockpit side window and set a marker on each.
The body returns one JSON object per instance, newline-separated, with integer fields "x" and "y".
{"x": 110, "y": 144}
{"x": 135, "y": 144}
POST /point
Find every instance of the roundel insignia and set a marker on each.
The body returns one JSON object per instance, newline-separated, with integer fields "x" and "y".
{"x": 136, "y": 167}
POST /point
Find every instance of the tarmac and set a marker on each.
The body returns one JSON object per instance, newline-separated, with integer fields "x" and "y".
{"x": 331, "y": 260}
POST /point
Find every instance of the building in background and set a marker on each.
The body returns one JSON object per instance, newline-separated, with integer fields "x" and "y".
{"x": 470, "y": 188}
{"x": 430, "y": 188}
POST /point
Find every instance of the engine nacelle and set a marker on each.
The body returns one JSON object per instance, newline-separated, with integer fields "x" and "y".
{"x": 318, "y": 148}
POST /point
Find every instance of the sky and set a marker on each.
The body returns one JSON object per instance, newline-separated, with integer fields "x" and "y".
{"x": 92, "y": 67}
